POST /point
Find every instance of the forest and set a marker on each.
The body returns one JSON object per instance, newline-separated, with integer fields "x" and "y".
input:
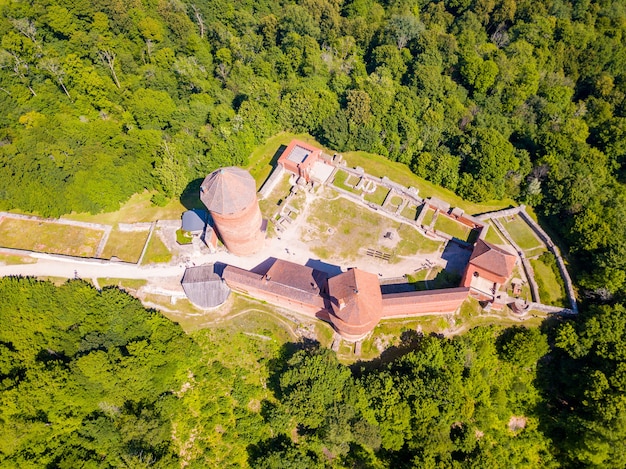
{"x": 517, "y": 98}
{"x": 90, "y": 378}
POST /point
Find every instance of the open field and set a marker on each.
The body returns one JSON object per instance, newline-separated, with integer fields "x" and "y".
{"x": 413, "y": 242}
{"x": 428, "y": 216}
{"x": 452, "y": 227}
{"x": 49, "y": 237}
{"x": 345, "y": 181}
{"x": 125, "y": 245}
{"x": 342, "y": 227}
{"x": 410, "y": 212}
{"x": 521, "y": 233}
{"x": 378, "y": 196}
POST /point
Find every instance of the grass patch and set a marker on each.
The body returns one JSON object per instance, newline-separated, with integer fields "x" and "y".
{"x": 157, "y": 251}
{"x": 493, "y": 235}
{"x": 125, "y": 245}
{"x": 521, "y": 233}
{"x": 428, "y": 217}
{"x": 548, "y": 277}
{"x": 340, "y": 181}
{"x": 42, "y": 236}
{"x": 379, "y": 166}
{"x": 413, "y": 242}
{"x": 137, "y": 209}
{"x": 434, "y": 279}
{"x": 344, "y": 227}
{"x": 452, "y": 227}
{"x": 12, "y": 259}
{"x": 123, "y": 283}
{"x": 409, "y": 212}
{"x": 270, "y": 205}
{"x": 183, "y": 237}
{"x": 396, "y": 200}
{"x": 378, "y": 196}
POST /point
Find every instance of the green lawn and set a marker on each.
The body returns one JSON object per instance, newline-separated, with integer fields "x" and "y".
{"x": 521, "y": 233}
{"x": 413, "y": 242}
{"x": 452, "y": 227}
{"x": 551, "y": 288}
{"x": 340, "y": 181}
{"x": 493, "y": 235}
{"x": 125, "y": 245}
{"x": 11, "y": 259}
{"x": 409, "y": 212}
{"x": 378, "y": 196}
{"x": 49, "y": 237}
{"x": 124, "y": 283}
{"x": 157, "y": 252}
{"x": 428, "y": 217}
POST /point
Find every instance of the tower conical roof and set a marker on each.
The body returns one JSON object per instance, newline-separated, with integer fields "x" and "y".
{"x": 228, "y": 190}
{"x": 356, "y": 302}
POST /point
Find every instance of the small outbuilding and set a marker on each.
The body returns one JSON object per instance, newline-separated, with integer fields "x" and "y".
{"x": 204, "y": 287}
{"x": 194, "y": 221}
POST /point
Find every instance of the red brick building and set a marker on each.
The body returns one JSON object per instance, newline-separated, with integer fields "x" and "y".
{"x": 446, "y": 300}
{"x": 299, "y": 158}
{"x": 489, "y": 267}
{"x": 230, "y": 195}
{"x": 356, "y": 303}
{"x": 293, "y": 286}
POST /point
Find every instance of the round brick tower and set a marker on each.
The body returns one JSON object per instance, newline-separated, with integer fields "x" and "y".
{"x": 230, "y": 195}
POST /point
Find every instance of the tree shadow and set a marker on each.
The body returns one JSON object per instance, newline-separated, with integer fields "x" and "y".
{"x": 190, "y": 198}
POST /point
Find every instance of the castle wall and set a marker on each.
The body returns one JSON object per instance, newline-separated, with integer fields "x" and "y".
{"x": 407, "y": 304}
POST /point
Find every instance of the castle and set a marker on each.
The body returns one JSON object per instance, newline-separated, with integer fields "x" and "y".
{"x": 352, "y": 301}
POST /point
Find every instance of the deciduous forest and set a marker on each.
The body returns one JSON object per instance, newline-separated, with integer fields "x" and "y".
{"x": 523, "y": 99}
{"x": 90, "y": 378}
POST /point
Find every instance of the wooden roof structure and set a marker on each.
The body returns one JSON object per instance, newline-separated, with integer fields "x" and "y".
{"x": 228, "y": 190}
{"x": 204, "y": 287}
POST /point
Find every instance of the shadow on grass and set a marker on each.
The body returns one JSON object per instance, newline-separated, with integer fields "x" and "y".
{"x": 190, "y": 198}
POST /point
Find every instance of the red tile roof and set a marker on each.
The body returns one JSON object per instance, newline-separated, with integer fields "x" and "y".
{"x": 356, "y": 302}
{"x": 492, "y": 258}
{"x": 284, "y": 279}
{"x": 228, "y": 190}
